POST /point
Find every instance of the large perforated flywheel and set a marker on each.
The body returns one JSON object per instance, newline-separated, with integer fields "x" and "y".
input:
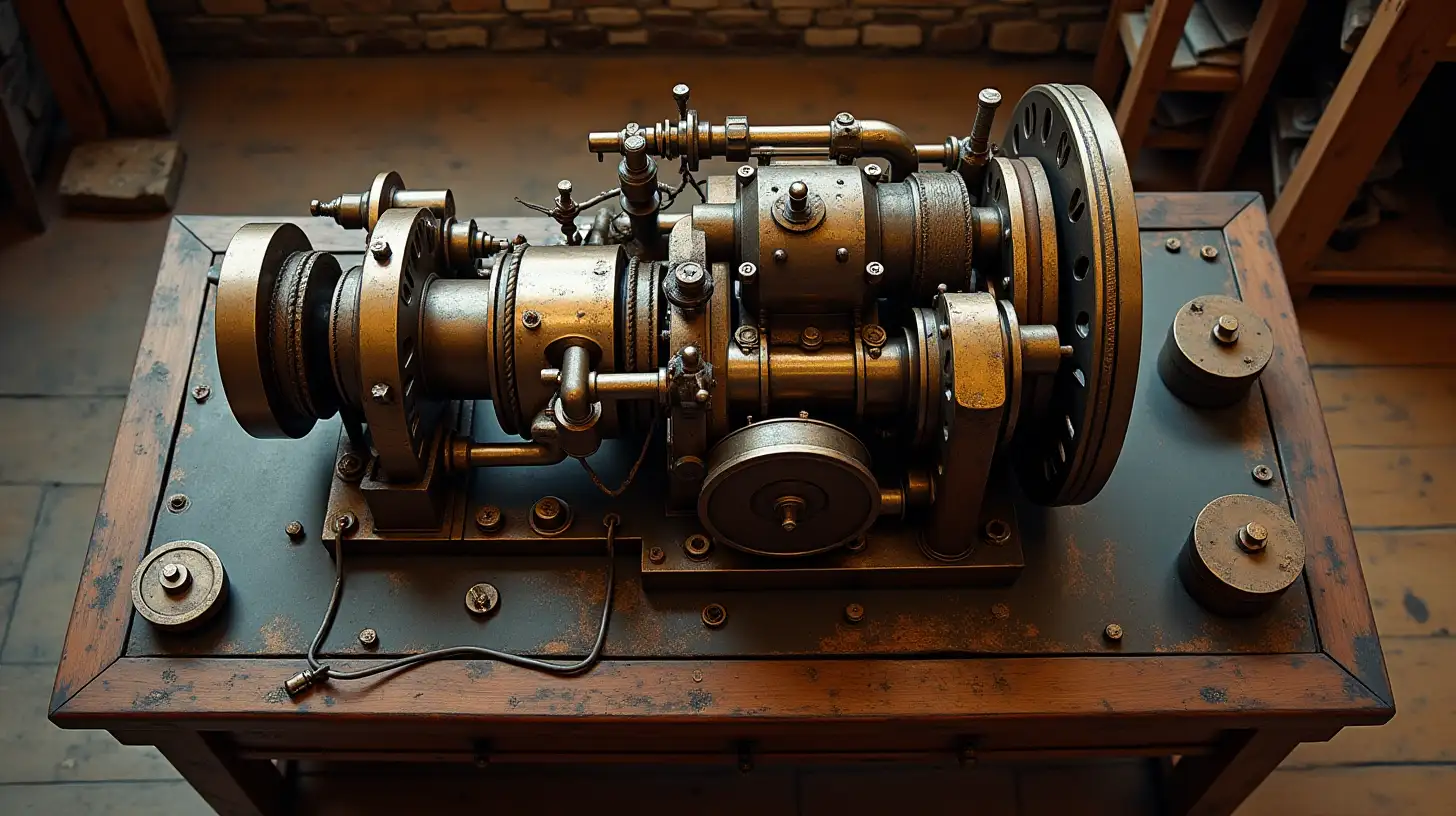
{"x": 1066, "y": 451}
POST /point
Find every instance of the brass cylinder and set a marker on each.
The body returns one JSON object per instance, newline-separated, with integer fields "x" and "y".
{"x": 453, "y": 346}
{"x": 797, "y": 377}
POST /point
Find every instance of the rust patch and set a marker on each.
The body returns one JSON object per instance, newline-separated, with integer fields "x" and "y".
{"x": 556, "y": 647}
{"x": 179, "y": 475}
{"x": 185, "y": 431}
{"x": 1001, "y": 611}
{"x": 1074, "y": 577}
{"x": 280, "y": 635}
{"x": 398, "y": 581}
{"x": 105, "y": 584}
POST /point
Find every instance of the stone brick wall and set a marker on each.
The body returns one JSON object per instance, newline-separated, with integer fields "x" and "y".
{"x": 334, "y": 27}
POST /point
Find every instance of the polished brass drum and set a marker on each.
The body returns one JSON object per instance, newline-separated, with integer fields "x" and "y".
{"x": 789, "y": 487}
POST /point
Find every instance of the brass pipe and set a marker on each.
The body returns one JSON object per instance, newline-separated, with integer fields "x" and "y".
{"x": 877, "y": 140}
{"x": 892, "y": 501}
{"x": 646, "y": 385}
{"x": 930, "y": 154}
{"x": 467, "y": 453}
{"x": 575, "y": 385}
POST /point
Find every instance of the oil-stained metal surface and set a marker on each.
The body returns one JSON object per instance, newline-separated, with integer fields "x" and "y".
{"x": 1113, "y": 559}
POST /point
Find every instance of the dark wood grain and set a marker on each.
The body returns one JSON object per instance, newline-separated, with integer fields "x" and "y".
{"x": 1343, "y": 617}
{"x": 176, "y": 691}
{"x": 102, "y": 610}
{"x": 55, "y": 47}
{"x": 1190, "y": 211}
{"x": 232, "y": 786}
{"x": 1264, "y": 51}
{"x": 126, "y": 59}
{"x": 1397, "y": 52}
{"x": 1216, "y": 784}
{"x": 1134, "y": 115}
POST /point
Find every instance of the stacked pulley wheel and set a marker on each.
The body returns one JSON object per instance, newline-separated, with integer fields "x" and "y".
{"x": 1070, "y": 257}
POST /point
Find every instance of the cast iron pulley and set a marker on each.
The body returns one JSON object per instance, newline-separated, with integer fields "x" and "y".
{"x": 1066, "y": 450}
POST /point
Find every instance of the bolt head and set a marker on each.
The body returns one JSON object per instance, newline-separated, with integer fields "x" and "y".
{"x": 680, "y": 90}
{"x": 798, "y": 191}
{"x": 989, "y": 96}
{"x": 531, "y": 320}
{"x": 489, "y": 519}
{"x": 634, "y": 143}
{"x": 294, "y": 530}
{"x": 841, "y": 254}
{"x": 201, "y": 393}
{"x": 714, "y": 615}
{"x": 368, "y": 638}
{"x": 746, "y": 335}
{"x": 874, "y": 271}
{"x": 696, "y": 546}
{"x": 688, "y": 274}
{"x": 691, "y": 358}
{"x": 656, "y": 555}
{"x": 1209, "y": 252}
{"x": 1263, "y": 474}
{"x": 379, "y": 248}
{"x": 381, "y": 393}
{"x": 171, "y": 571}
{"x": 1226, "y": 329}
{"x": 1253, "y": 537}
{"x": 873, "y": 171}
{"x": 1173, "y": 244}
{"x": 564, "y": 187}
{"x": 874, "y": 334}
{"x": 854, "y": 613}
{"x": 350, "y": 466}
{"x": 345, "y": 523}
{"x": 482, "y": 599}
{"x": 702, "y": 396}
{"x": 746, "y": 172}
{"x": 1113, "y": 632}
{"x": 844, "y": 118}
{"x": 780, "y": 255}
{"x": 747, "y": 272}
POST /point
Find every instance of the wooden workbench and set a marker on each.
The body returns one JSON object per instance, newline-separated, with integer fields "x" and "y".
{"x": 1231, "y": 715}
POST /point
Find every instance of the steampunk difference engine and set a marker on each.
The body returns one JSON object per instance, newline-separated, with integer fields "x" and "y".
{"x": 844, "y": 365}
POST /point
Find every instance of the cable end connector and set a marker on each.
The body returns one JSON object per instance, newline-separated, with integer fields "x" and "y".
{"x": 301, "y": 682}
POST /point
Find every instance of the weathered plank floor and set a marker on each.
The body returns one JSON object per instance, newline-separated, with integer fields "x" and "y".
{"x": 265, "y": 136}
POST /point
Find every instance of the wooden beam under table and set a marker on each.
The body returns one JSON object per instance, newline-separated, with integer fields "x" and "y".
{"x": 1395, "y": 56}
{"x": 121, "y": 43}
{"x": 1149, "y": 72}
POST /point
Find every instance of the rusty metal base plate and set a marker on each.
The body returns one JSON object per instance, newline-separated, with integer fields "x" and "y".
{"x": 1110, "y": 561}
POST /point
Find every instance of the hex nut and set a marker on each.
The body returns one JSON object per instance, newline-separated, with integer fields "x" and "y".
{"x": 1262, "y": 474}
{"x": 997, "y": 531}
{"x": 531, "y": 320}
{"x": 294, "y": 530}
{"x": 368, "y": 638}
{"x": 1173, "y": 245}
{"x": 201, "y": 393}
{"x": 1209, "y": 252}
{"x": 350, "y": 467}
{"x": 656, "y": 555}
{"x": 714, "y": 615}
{"x": 1113, "y": 632}
{"x": 697, "y": 546}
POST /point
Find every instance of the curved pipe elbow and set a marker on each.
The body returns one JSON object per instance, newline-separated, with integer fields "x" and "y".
{"x": 882, "y": 140}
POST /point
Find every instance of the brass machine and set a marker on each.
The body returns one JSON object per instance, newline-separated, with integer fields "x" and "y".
{"x": 833, "y": 347}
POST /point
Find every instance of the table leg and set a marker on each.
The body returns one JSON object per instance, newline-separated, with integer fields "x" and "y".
{"x": 1216, "y": 784}
{"x": 231, "y": 785}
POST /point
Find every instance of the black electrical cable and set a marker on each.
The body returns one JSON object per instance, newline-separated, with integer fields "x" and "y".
{"x": 319, "y": 672}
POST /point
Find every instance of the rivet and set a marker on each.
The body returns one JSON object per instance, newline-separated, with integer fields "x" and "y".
{"x": 1113, "y": 632}
{"x": 1173, "y": 244}
{"x": 1262, "y": 474}
{"x": 380, "y": 249}
{"x": 201, "y": 393}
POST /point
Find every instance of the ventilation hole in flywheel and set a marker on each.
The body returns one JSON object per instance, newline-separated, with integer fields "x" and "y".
{"x": 1076, "y": 205}
{"x": 1080, "y": 267}
{"x": 1079, "y": 377}
{"x": 1084, "y": 324}
{"x": 945, "y": 364}
{"x": 1071, "y": 430}
{"x": 1064, "y": 149}
{"x": 1016, "y": 139}
{"x": 417, "y": 247}
{"x": 1028, "y": 120}
{"x": 1046, "y": 125}
{"x": 1061, "y": 453}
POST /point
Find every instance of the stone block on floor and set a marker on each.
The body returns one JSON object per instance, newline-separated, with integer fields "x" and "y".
{"x": 125, "y": 175}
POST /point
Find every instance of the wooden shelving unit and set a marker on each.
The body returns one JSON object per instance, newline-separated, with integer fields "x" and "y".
{"x": 1150, "y": 74}
{"x": 1403, "y": 43}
